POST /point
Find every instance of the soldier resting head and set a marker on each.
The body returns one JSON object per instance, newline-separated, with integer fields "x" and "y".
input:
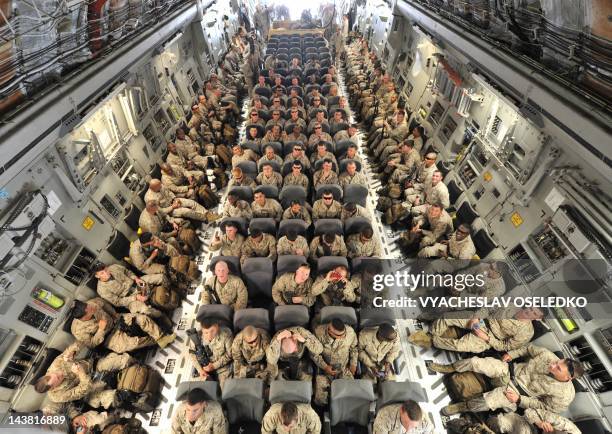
{"x": 210, "y": 329}
{"x": 289, "y": 415}
{"x": 386, "y": 332}
{"x": 410, "y": 415}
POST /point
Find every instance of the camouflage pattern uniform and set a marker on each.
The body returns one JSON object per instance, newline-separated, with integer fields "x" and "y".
{"x": 266, "y": 248}
{"x": 276, "y": 179}
{"x": 231, "y": 293}
{"x": 286, "y": 285}
{"x": 359, "y": 212}
{"x": 286, "y": 247}
{"x": 374, "y": 354}
{"x": 358, "y": 178}
{"x": 321, "y": 178}
{"x": 249, "y": 361}
{"x": 322, "y": 211}
{"x": 221, "y": 359}
{"x": 433, "y": 194}
{"x": 271, "y": 208}
{"x": 330, "y": 293}
{"x": 388, "y": 421}
{"x": 359, "y": 248}
{"x": 301, "y": 180}
{"x": 228, "y": 247}
{"x": 304, "y": 215}
{"x": 341, "y": 354}
{"x": 212, "y": 420}
{"x": 513, "y": 423}
{"x": 308, "y": 421}
{"x": 241, "y": 209}
{"x": 275, "y": 354}
{"x": 338, "y": 248}
{"x": 463, "y": 250}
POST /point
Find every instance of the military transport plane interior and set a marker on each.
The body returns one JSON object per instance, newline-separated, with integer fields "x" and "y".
{"x": 332, "y": 216}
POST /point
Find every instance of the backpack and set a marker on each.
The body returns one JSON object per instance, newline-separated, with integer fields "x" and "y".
{"x": 164, "y": 298}
{"x": 141, "y": 383}
{"x": 463, "y": 386}
{"x": 189, "y": 237}
{"x": 184, "y": 265}
{"x": 125, "y": 426}
{"x": 224, "y": 153}
{"x": 207, "y": 197}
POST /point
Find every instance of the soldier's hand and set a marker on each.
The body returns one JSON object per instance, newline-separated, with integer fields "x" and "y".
{"x": 545, "y": 426}
{"x": 76, "y": 368}
{"x": 283, "y": 334}
{"x": 482, "y": 335}
{"x": 506, "y": 357}
{"x": 391, "y": 163}
{"x": 155, "y": 253}
{"x": 299, "y": 252}
{"x": 176, "y": 204}
{"x": 190, "y": 192}
{"x": 511, "y": 395}
{"x": 175, "y": 226}
{"x": 353, "y": 370}
{"x": 102, "y": 324}
{"x": 142, "y": 297}
{"x": 330, "y": 371}
{"x": 298, "y": 337}
{"x": 209, "y": 368}
{"x": 297, "y": 300}
{"x": 139, "y": 281}
{"x": 473, "y": 321}
{"x": 203, "y": 373}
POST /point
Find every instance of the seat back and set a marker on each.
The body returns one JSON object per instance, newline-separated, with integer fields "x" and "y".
{"x": 290, "y": 193}
{"x": 465, "y": 214}
{"x": 343, "y": 163}
{"x": 118, "y": 245}
{"x": 395, "y": 392}
{"x": 373, "y": 317}
{"x": 271, "y": 191}
{"x": 219, "y": 312}
{"x": 243, "y": 192}
{"x": 299, "y": 226}
{"x": 335, "y": 189}
{"x": 454, "y": 191}
{"x": 264, "y": 224}
{"x": 258, "y": 274}
{"x": 238, "y": 221}
{"x": 290, "y": 316}
{"x": 322, "y": 226}
{"x": 132, "y": 216}
{"x": 355, "y": 225}
{"x": 211, "y": 388}
{"x": 254, "y": 316}
{"x": 344, "y": 313}
{"x": 294, "y": 391}
{"x": 243, "y": 399}
{"x": 484, "y": 243}
{"x": 288, "y": 263}
{"x": 350, "y": 401}
{"x": 356, "y": 193}
{"x": 248, "y": 168}
{"x": 327, "y": 263}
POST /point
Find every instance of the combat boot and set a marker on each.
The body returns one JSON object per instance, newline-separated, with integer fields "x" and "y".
{"x": 438, "y": 367}
{"x": 212, "y": 217}
{"x": 458, "y": 407}
{"x": 420, "y": 338}
{"x": 166, "y": 340}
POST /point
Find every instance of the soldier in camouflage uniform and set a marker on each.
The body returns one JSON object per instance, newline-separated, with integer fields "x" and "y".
{"x": 249, "y": 353}
{"x": 230, "y": 243}
{"x": 291, "y": 418}
{"x": 263, "y": 207}
{"x": 352, "y": 177}
{"x": 294, "y": 288}
{"x": 236, "y": 207}
{"x": 269, "y": 177}
{"x": 122, "y": 288}
{"x": 326, "y": 207}
{"x": 219, "y": 341}
{"x": 363, "y": 244}
{"x": 435, "y": 192}
{"x": 145, "y": 251}
{"x": 96, "y": 323}
{"x": 407, "y": 417}
{"x": 170, "y": 204}
{"x": 154, "y": 220}
{"x": 297, "y": 211}
{"x": 532, "y": 422}
{"x": 286, "y": 354}
{"x": 340, "y": 354}
{"x": 228, "y": 289}
{"x": 428, "y": 229}
{"x": 258, "y": 245}
{"x": 292, "y": 244}
{"x": 378, "y": 348}
{"x": 296, "y": 177}
{"x": 196, "y": 415}
{"x": 325, "y": 175}
{"x": 239, "y": 155}
{"x": 459, "y": 246}
{"x": 328, "y": 244}
{"x": 351, "y": 209}
{"x": 541, "y": 382}
{"x": 239, "y": 179}
{"x": 335, "y": 288}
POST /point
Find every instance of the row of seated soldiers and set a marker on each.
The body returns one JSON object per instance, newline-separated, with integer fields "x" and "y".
{"x": 414, "y": 193}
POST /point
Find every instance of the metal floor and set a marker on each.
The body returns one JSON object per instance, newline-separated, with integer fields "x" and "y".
{"x": 176, "y": 367}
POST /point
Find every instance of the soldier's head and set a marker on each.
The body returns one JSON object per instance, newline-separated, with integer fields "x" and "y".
{"x": 418, "y": 131}
{"x": 256, "y": 235}
{"x": 102, "y": 272}
{"x": 172, "y": 148}
{"x": 278, "y": 80}
{"x": 253, "y": 133}
{"x": 407, "y": 146}
{"x": 302, "y": 273}
{"x": 410, "y": 415}
{"x": 296, "y": 167}
{"x": 436, "y": 177}
{"x": 321, "y": 146}
{"x": 261, "y": 80}
{"x": 257, "y": 103}
{"x": 350, "y": 208}
{"x": 530, "y": 314}
{"x": 232, "y": 198}
{"x": 231, "y": 230}
{"x": 366, "y": 234}
{"x": 292, "y": 235}
{"x": 297, "y": 151}
{"x": 294, "y": 111}
{"x": 250, "y": 336}
{"x": 260, "y": 198}
{"x": 317, "y": 129}
{"x": 289, "y": 345}
{"x": 237, "y": 149}
{"x": 289, "y": 415}
{"x": 276, "y": 130}
{"x": 82, "y": 310}
{"x": 210, "y": 328}
{"x": 152, "y": 206}
{"x": 399, "y": 116}
{"x": 222, "y": 271}
{"x": 267, "y": 169}
{"x": 338, "y": 115}
{"x": 155, "y": 185}
{"x": 463, "y": 231}
{"x": 351, "y": 168}
{"x": 49, "y": 381}
{"x": 351, "y": 151}
{"x": 336, "y": 329}
{"x": 320, "y": 115}
{"x": 328, "y": 197}
{"x": 237, "y": 174}
{"x": 180, "y": 134}
{"x": 386, "y": 332}
{"x": 202, "y": 99}
{"x": 434, "y": 210}
{"x": 296, "y": 206}
{"x": 270, "y": 151}
{"x": 316, "y": 101}
{"x": 146, "y": 239}
{"x": 565, "y": 370}
{"x": 195, "y": 108}
{"x": 166, "y": 168}
{"x": 195, "y": 404}
{"x": 430, "y": 159}
{"x": 328, "y": 238}
{"x": 492, "y": 272}
{"x": 297, "y": 129}
{"x": 327, "y": 165}
{"x": 276, "y": 101}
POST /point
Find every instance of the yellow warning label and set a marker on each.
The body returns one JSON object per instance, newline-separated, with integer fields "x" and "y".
{"x": 516, "y": 219}
{"x": 487, "y": 176}
{"x": 88, "y": 223}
